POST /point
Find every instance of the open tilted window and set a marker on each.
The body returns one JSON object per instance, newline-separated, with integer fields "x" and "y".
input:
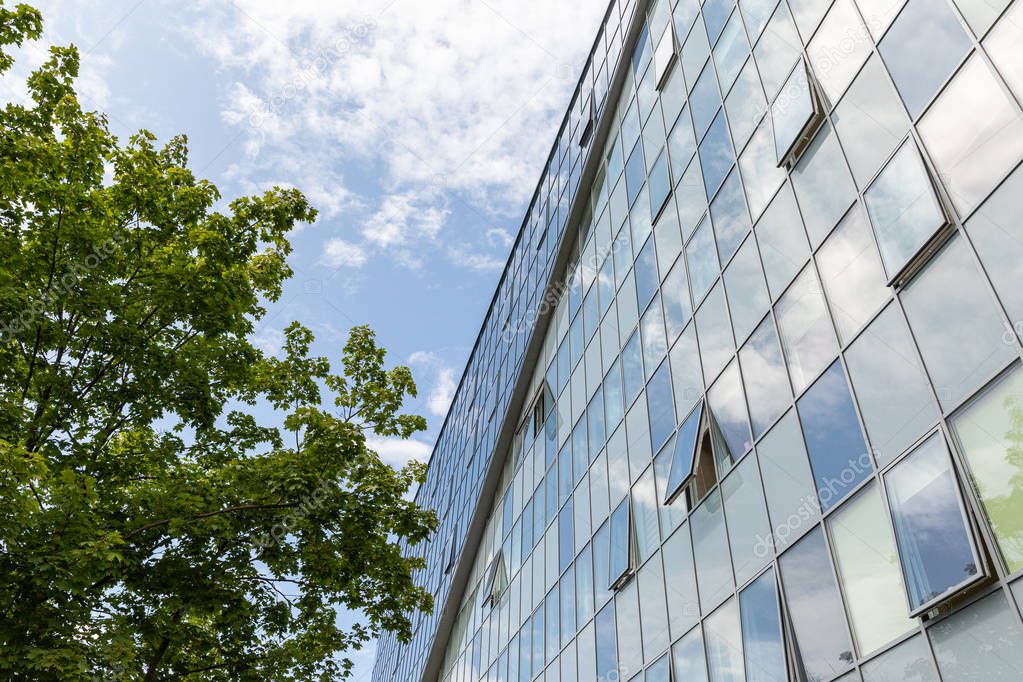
{"x": 495, "y": 581}
{"x": 698, "y": 443}
{"x": 797, "y": 112}
{"x": 622, "y": 553}
{"x": 683, "y": 460}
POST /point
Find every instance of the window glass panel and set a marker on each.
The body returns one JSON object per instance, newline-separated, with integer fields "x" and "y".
{"x": 760, "y": 172}
{"x": 815, "y": 608}
{"x": 807, "y": 336}
{"x": 728, "y": 407}
{"x": 777, "y": 51}
{"x": 838, "y": 455}
{"x": 908, "y": 662}
{"x": 749, "y": 534}
{"x": 638, "y": 428}
{"x": 673, "y": 98}
{"x": 868, "y": 569}
{"x": 684, "y": 454}
{"x": 783, "y": 246}
{"x": 839, "y": 48}
{"x": 989, "y": 436}
{"x": 974, "y": 134}
{"x": 606, "y": 645}
{"x": 852, "y": 275}
{"x": 730, "y": 52}
{"x": 654, "y": 617}
{"x": 756, "y": 13}
{"x": 1003, "y": 45}
{"x": 654, "y": 344}
{"x": 660, "y": 671}
{"x": 710, "y": 549}
{"x": 934, "y": 543}
{"x": 890, "y": 385}
{"x": 763, "y": 369}
{"x": 686, "y": 374}
{"x": 823, "y": 185}
{"x": 762, "y": 639}
{"x": 661, "y": 406}
{"x": 695, "y": 52}
{"x": 612, "y": 389}
{"x": 716, "y": 155}
{"x": 621, "y": 542}
{"x": 632, "y": 368}
{"x": 879, "y": 14}
{"x": 688, "y": 658}
{"x": 714, "y": 332}
{"x": 808, "y": 13}
{"x": 584, "y": 585}
{"x": 675, "y": 295}
{"x": 959, "y": 356}
{"x": 982, "y": 642}
{"x": 681, "y": 143}
{"x": 729, "y": 216}
{"x": 903, "y": 208}
{"x": 745, "y": 104}
{"x": 701, "y": 256}
{"x": 644, "y": 510}
{"x": 680, "y": 581}
{"x": 792, "y": 112}
{"x": 704, "y": 101}
{"x": 660, "y": 184}
{"x": 747, "y": 292}
{"x": 675, "y": 513}
{"x": 690, "y": 198}
{"x": 715, "y": 14}
{"x": 724, "y": 644}
{"x": 870, "y": 121}
{"x": 667, "y": 237}
{"x": 664, "y": 53}
{"x": 996, "y": 231}
{"x": 923, "y": 47}
{"x": 635, "y": 173}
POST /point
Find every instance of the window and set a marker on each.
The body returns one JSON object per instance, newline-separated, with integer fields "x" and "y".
{"x": 660, "y": 184}
{"x": 745, "y": 105}
{"x": 823, "y": 185}
{"x": 922, "y": 49}
{"x": 903, "y": 208}
{"x": 731, "y": 51}
{"x": 988, "y": 434}
{"x": 715, "y": 14}
{"x": 680, "y": 577}
{"x": 716, "y": 155}
{"x": 1003, "y": 46}
{"x": 868, "y": 570}
{"x": 909, "y": 662}
{"x": 704, "y": 102}
{"x": 606, "y": 644}
{"x": 935, "y": 546}
{"x": 762, "y": 640}
{"x": 727, "y": 405}
{"x": 675, "y": 296}
{"x": 664, "y": 56}
{"x": 838, "y": 49}
{"x": 763, "y": 369}
{"x": 681, "y": 143}
{"x": 777, "y": 50}
{"x": 730, "y": 217}
{"x": 714, "y": 333}
{"x": 495, "y": 581}
{"x": 652, "y": 607}
{"x": 749, "y": 534}
{"x": 815, "y": 608}
{"x": 686, "y": 373}
{"x": 838, "y": 454}
{"x": 759, "y": 166}
{"x": 630, "y": 643}
{"x": 635, "y": 173}
{"x": 632, "y": 368}
{"x": 973, "y": 133}
{"x": 879, "y": 14}
{"x": 997, "y": 233}
{"x": 660, "y": 406}
{"x": 622, "y": 550}
{"x": 687, "y": 654}
{"x": 588, "y": 123}
{"x": 890, "y": 386}
{"x": 683, "y": 459}
{"x": 723, "y": 632}
{"x": 783, "y": 246}
{"x": 796, "y": 113}
{"x": 645, "y": 520}
{"x": 701, "y": 257}
{"x": 450, "y": 554}
{"x": 852, "y": 275}
{"x": 788, "y": 483}
{"x": 655, "y": 347}
{"x": 870, "y": 121}
{"x": 959, "y": 356}
{"x": 747, "y": 293}
{"x": 807, "y": 336}
{"x": 710, "y": 550}
{"x": 982, "y": 642}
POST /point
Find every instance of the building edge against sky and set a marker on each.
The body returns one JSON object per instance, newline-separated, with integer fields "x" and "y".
{"x": 748, "y": 400}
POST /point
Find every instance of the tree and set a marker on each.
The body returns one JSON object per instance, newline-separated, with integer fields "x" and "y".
{"x": 151, "y": 527}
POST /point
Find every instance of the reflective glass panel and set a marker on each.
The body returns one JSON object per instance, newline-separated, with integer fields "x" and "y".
{"x": 989, "y": 436}
{"x": 686, "y": 373}
{"x": 908, "y": 662}
{"x": 728, "y": 407}
{"x": 1003, "y": 44}
{"x": 716, "y": 155}
{"x": 724, "y": 644}
{"x": 680, "y": 581}
{"x": 823, "y": 185}
{"x": 890, "y": 385}
{"x": 621, "y": 542}
{"x": 688, "y": 657}
{"x": 747, "y": 292}
{"x": 746, "y": 514}
{"x": 704, "y": 101}
{"x": 996, "y": 231}
{"x": 645, "y": 518}
{"x": 934, "y": 543}
{"x": 959, "y": 356}
{"x": 745, "y": 104}
{"x": 760, "y": 172}
{"x": 777, "y": 51}
{"x": 762, "y": 639}
{"x": 714, "y": 332}
{"x": 982, "y": 642}
{"x": 852, "y": 275}
{"x": 701, "y": 256}
{"x": 838, "y": 455}
{"x": 792, "y": 112}
{"x": 815, "y": 608}
{"x": 903, "y": 208}
{"x": 730, "y": 217}
{"x": 783, "y": 246}
{"x": 675, "y": 296}
{"x": 710, "y": 550}
{"x": 660, "y": 184}
{"x": 715, "y": 14}
{"x": 922, "y": 48}
{"x": 868, "y": 569}
{"x": 763, "y": 370}
{"x": 730, "y": 52}
{"x": 807, "y": 336}
{"x": 684, "y": 453}
{"x": 635, "y": 173}
{"x": 646, "y": 274}
{"x": 681, "y": 143}
{"x": 839, "y": 48}
{"x": 661, "y": 406}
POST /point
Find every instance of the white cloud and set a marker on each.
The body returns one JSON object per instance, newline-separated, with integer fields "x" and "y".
{"x": 268, "y": 339}
{"x": 337, "y": 253}
{"x": 481, "y": 262}
{"x": 402, "y": 218}
{"x": 397, "y": 452}
{"x": 443, "y": 391}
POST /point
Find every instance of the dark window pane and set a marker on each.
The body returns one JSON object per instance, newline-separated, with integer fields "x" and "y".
{"x": 838, "y": 454}
{"x": 715, "y": 14}
{"x": 684, "y": 456}
{"x": 815, "y": 607}
{"x": 620, "y": 552}
{"x": 934, "y": 543}
{"x": 761, "y": 631}
{"x": 607, "y": 646}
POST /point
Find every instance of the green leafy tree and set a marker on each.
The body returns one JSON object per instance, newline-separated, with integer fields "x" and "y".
{"x": 151, "y": 528}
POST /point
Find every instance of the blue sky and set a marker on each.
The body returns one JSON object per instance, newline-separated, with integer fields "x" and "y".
{"x": 418, "y": 129}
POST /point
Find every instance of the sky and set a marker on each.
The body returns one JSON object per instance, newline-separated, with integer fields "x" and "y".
{"x": 417, "y": 129}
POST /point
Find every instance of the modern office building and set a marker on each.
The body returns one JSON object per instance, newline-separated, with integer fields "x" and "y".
{"x": 748, "y": 401}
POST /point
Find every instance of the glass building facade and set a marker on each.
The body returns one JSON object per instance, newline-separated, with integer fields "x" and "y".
{"x": 748, "y": 402}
